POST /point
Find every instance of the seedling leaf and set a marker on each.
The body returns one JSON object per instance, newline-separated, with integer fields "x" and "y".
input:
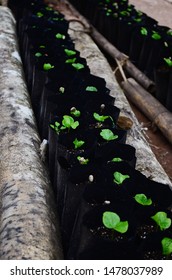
{"x": 38, "y": 54}
{"x": 91, "y": 88}
{"x": 75, "y": 125}
{"x": 112, "y": 221}
{"x": 47, "y": 66}
{"x": 119, "y": 178}
{"x": 70, "y": 60}
{"x": 144, "y": 31}
{"x": 108, "y": 135}
{"x": 156, "y": 35}
{"x": 168, "y": 61}
{"x": 122, "y": 227}
{"x": 82, "y": 160}
{"x": 74, "y": 112}
{"x": 78, "y": 143}
{"x": 166, "y": 246}
{"x": 100, "y": 118}
{"x": 142, "y": 199}
{"x": 68, "y": 122}
{"x": 162, "y": 221}
{"x": 69, "y": 52}
{"x": 117, "y": 159}
{"x": 60, "y": 36}
{"x": 78, "y": 66}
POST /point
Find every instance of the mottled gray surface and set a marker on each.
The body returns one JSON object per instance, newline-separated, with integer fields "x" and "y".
{"x": 146, "y": 160}
{"x": 28, "y": 221}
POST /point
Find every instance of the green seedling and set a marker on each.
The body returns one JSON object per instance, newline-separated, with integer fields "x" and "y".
{"x": 144, "y": 31}
{"x": 69, "y": 52}
{"x": 155, "y": 35}
{"x": 47, "y": 66}
{"x": 162, "y": 220}
{"x": 142, "y": 199}
{"x": 112, "y": 221}
{"x": 74, "y": 112}
{"x": 56, "y": 127}
{"x": 38, "y": 54}
{"x": 39, "y": 14}
{"x": 116, "y": 159}
{"x": 78, "y": 66}
{"x": 91, "y": 88}
{"x": 101, "y": 118}
{"x": 166, "y": 243}
{"x": 67, "y": 123}
{"x": 78, "y": 143}
{"x": 70, "y": 60}
{"x": 108, "y": 135}
{"x": 168, "y": 61}
{"x": 82, "y": 160}
{"x": 60, "y": 36}
{"x": 119, "y": 178}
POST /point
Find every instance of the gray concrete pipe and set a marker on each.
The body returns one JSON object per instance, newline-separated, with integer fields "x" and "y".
{"x": 28, "y": 220}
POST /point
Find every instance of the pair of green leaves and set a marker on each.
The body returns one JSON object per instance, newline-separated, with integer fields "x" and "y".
{"x": 162, "y": 220}
{"x": 67, "y": 123}
{"x": 112, "y": 221}
{"x": 82, "y": 160}
{"x": 119, "y": 178}
{"x": 102, "y": 118}
{"x": 78, "y": 143}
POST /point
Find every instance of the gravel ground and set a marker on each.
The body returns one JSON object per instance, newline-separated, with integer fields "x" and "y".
{"x": 161, "y": 10}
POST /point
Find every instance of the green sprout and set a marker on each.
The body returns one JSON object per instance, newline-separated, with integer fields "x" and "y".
{"x": 69, "y": 52}
{"x": 78, "y": 143}
{"x": 144, "y": 31}
{"x": 108, "y": 135}
{"x": 70, "y": 60}
{"x": 38, "y": 54}
{"x": 119, "y": 178}
{"x": 91, "y": 88}
{"x": 78, "y": 66}
{"x": 112, "y": 221}
{"x": 116, "y": 159}
{"x": 161, "y": 220}
{"x": 39, "y": 14}
{"x": 60, "y": 36}
{"x": 155, "y": 35}
{"x": 82, "y": 160}
{"x": 47, "y": 66}
{"x": 67, "y": 123}
{"x": 56, "y": 127}
{"x": 101, "y": 118}
{"x": 168, "y": 61}
{"x": 74, "y": 112}
{"x": 166, "y": 246}
{"x": 142, "y": 199}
